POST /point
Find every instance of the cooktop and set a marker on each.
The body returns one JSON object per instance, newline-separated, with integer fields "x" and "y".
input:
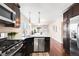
{"x": 6, "y": 44}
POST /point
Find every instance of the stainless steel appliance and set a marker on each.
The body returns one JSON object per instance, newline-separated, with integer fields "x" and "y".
{"x": 9, "y": 47}
{"x": 74, "y": 35}
{"x": 39, "y": 44}
{"x": 74, "y": 29}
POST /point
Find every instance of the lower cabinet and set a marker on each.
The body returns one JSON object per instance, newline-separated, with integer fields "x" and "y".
{"x": 47, "y": 44}
{"x": 27, "y": 48}
{"x": 36, "y": 44}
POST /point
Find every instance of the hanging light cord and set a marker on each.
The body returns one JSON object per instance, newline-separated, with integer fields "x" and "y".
{"x": 29, "y": 17}
{"x": 39, "y": 17}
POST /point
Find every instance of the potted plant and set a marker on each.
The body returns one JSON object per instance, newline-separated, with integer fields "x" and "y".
{"x": 11, "y": 35}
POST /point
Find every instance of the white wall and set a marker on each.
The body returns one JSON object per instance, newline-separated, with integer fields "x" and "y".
{"x": 57, "y": 34}
{"x": 24, "y": 27}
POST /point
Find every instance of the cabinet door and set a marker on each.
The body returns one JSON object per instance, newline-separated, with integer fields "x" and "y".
{"x": 28, "y": 44}
{"x": 76, "y": 9}
{"x": 47, "y": 44}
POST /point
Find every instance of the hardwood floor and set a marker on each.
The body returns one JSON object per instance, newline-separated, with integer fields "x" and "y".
{"x": 56, "y": 49}
{"x": 40, "y": 54}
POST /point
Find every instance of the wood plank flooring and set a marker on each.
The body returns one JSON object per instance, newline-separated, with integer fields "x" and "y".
{"x": 56, "y": 48}
{"x": 40, "y": 54}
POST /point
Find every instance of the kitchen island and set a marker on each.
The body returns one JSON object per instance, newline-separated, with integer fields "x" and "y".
{"x": 36, "y": 44}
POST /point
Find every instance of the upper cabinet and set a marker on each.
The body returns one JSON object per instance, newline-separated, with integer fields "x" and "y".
{"x": 10, "y": 14}
{"x": 72, "y": 11}
{"x": 75, "y": 9}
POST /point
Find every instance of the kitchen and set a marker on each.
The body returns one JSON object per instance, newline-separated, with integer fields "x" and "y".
{"x": 15, "y": 40}
{"x": 28, "y": 29}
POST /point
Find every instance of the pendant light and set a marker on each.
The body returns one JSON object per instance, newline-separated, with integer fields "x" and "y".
{"x": 29, "y": 17}
{"x": 39, "y": 18}
{"x": 38, "y": 21}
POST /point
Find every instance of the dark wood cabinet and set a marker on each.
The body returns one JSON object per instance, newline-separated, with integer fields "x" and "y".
{"x": 28, "y": 45}
{"x": 17, "y": 17}
{"x": 71, "y": 12}
{"x": 27, "y": 48}
{"x": 66, "y": 39}
{"x": 75, "y": 9}
{"x": 15, "y": 7}
{"x": 47, "y": 44}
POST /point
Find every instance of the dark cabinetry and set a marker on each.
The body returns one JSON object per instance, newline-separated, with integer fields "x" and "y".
{"x": 30, "y": 47}
{"x": 71, "y": 12}
{"x": 66, "y": 38}
{"x": 47, "y": 44}
{"x": 75, "y": 9}
{"x": 16, "y": 8}
{"x": 27, "y": 48}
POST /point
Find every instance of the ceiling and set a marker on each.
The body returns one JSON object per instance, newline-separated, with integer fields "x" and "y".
{"x": 48, "y": 11}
